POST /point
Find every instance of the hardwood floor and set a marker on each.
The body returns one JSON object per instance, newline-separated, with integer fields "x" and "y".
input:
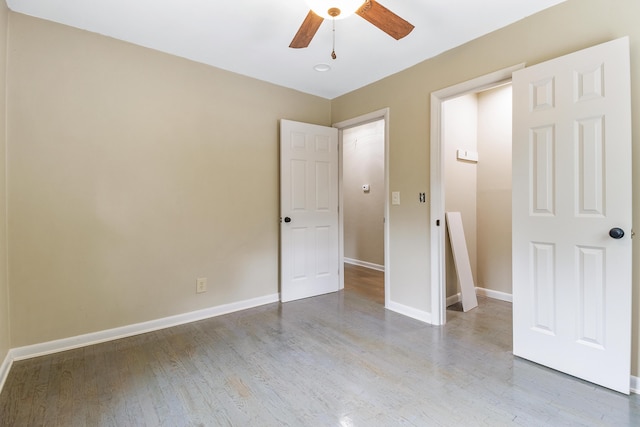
{"x": 335, "y": 360}
{"x": 365, "y": 282}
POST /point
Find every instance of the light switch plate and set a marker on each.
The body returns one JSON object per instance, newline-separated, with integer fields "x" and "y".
{"x": 467, "y": 155}
{"x": 395, "y": 198}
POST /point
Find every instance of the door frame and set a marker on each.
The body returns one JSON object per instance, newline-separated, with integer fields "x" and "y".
{"x": 437, "y": 225}
{"x": 382, "y": 114}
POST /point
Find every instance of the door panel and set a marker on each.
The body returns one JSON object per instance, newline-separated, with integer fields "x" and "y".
{"x": 544, "y": 302}
{"x": 571, "y": 185}
{"x": 542, "y": 167}
{"x": 309, "y": 258}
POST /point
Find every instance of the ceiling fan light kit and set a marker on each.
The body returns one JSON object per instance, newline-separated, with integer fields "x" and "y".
{"x": 370, "y": 10}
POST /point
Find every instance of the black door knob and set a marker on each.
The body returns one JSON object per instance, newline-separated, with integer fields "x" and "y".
{"x": 287, "y": 219}
{"x": 616, "y": 233}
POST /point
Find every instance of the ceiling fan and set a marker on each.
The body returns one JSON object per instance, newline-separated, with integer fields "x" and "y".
{"x": 370, "y": 10}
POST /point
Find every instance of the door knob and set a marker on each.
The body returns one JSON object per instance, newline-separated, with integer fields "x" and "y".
{"x": 287, "y": 219}
{"x": 616, "y": 233}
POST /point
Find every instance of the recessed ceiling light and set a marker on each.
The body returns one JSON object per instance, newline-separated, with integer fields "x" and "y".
{"x": 322, "y": 67}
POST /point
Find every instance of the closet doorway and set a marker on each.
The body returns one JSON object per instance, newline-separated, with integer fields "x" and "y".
{"x": 471, "y": 174}
{"x": 477, "y": 183}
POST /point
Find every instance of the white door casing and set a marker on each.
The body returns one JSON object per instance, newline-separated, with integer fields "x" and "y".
{"x": 571, "y": 186}
{"x": 309, "y": 252}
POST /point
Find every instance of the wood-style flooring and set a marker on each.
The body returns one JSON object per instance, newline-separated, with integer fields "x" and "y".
{"x": 335, "y": 360}
{"x": 364, "y": 282}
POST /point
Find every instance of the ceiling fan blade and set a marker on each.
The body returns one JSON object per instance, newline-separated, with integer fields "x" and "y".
{"x": 306, "y": 31}
{"x": 384, "y": 19}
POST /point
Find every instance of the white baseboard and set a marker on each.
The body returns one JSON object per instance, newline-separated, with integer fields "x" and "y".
{"x": 364, "y": 264}
{"x": 635, "y": 385}
{"x": 502, "y": 296}
{"x": 453, "y": 299}
{"x": 50, "y": 347}
{"x": 5, "y": 368}
{"x": 405, "y": 310}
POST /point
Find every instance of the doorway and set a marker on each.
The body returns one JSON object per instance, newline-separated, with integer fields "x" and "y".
{"x": 477, "y": 181}
{"x": 363, "y": 182}
{"x": 461, "y": 195}
{"x": 363, "y": 189}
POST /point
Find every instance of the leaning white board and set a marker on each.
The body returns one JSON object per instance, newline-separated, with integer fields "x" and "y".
{"x": 461, "y": 261}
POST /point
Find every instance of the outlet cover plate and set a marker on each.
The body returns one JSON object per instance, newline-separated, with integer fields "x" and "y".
{"x": 201, "y": 285}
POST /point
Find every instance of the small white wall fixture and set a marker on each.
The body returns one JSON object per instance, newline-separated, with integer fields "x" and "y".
{"x": 437, "y": 213}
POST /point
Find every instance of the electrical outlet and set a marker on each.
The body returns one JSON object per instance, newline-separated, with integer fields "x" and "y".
{"x": 201, "y": 285}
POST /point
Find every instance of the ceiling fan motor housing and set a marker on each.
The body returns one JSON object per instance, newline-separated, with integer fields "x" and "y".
{"x": 337, "y": 9}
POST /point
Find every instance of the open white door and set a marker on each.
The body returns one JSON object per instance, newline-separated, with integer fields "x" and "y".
{"x": 309, "y": 250}
{"x": 571, "y": 200}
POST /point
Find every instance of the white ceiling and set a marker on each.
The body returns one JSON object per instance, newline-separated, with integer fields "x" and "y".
{"x": 252, "y": 37}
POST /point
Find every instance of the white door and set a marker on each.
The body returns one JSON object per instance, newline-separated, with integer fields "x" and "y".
{"x": 571, "y": 186}
{"x": 309, "y": 258}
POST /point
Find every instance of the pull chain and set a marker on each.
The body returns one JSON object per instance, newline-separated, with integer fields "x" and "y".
{"x": 333, "y": 52}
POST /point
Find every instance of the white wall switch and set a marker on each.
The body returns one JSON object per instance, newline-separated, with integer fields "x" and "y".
{"x": 365, "y": 188}
{"x": 395, "y": 198}
{"x": 201, "y": 285}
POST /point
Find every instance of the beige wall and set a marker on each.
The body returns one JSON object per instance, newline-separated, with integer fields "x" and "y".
{"x": 363, "y": 163}
{"x": 132, "y": 173}
{"x": 5, "y": 343}
{"x": 494, "y": 190}
{"x": 460, "y": 132}
{"x": 562, "y": 29}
